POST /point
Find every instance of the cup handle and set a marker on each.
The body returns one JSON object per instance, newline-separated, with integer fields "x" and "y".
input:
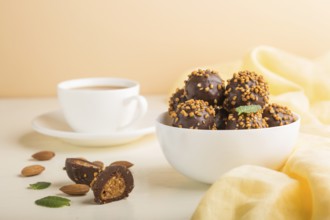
{"x": 142, "y": 107}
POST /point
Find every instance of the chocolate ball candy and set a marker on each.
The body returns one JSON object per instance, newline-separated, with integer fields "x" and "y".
{"x": 82, "y": 171}
{"x": 114, "y": 183}
{"x": 205, "y": 85}
{"x": 194, "y": 114}
{"x": 245, "y": 121}
{"x": 277, "y": 115}
{"x": 246, "y": 88}
{"x": 176, "y": 98}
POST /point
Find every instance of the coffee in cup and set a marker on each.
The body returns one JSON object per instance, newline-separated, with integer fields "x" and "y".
{"x": 101, "y": 105}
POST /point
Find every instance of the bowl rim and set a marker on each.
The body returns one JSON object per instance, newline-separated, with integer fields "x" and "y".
{"x": 159, "y": 121}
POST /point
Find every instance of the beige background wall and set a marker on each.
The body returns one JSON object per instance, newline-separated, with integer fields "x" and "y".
{"x": 43, "y": 42}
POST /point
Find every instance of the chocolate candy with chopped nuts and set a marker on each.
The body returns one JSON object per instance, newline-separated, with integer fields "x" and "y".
{"x": 194, "y": 114}
{"x": 277, "y": 115}
{"x": 114, "y": 183}
{"x": 205, "y": 85}
{"x": 82, "y": 171}
{"x": 246, "y": 88}
{"x": 176, "y": 98}
{"x": 245, "y": 121}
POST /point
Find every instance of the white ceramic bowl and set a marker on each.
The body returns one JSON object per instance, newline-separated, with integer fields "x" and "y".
{"x": 205, "y": 155}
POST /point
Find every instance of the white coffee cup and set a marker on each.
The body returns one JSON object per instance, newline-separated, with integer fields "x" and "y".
{"x": 100, "y": 105}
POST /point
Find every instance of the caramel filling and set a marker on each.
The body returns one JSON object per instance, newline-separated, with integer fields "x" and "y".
{"x": 115, "y": 187}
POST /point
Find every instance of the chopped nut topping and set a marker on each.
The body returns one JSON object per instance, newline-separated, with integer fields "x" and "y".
{"x": 193, "y": 116}
{"x": 277, "y": 115}
{"x": 247, "y": 87}
{"x": 246, "y": 121}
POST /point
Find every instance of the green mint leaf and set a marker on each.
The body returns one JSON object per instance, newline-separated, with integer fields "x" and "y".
{"x": 247, "y": 109}
{"x": 39, "y": 185}
{"x": 53, "y": 202}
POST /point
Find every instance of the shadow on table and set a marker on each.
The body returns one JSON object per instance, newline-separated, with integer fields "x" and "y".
{"x": 168, "y": 177}
{"x": 36, "y": 141}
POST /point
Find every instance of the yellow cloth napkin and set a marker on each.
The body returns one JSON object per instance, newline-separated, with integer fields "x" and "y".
{"x": 301, "y": 190}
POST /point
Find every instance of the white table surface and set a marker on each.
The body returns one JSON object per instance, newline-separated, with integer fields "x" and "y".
{"x": 160, "y": 191}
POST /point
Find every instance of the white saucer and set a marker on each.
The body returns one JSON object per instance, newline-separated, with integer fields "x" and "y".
{"x": 53, "y": 124}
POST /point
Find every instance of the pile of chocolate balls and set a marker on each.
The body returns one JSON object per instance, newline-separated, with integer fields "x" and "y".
{"x": 208, "y": 102}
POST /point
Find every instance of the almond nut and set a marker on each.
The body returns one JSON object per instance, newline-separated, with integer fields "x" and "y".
{"x": 43, "y": 155}
{"x": 98, "y": 163}
{"x": 122, "y": 163}
{"x": 32, "y": 170}
{"x": 75, "y": 189}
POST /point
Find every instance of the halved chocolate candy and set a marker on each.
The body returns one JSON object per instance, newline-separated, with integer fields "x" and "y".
{"x": 82, "y": 171}
{"x": 114, "y": 183}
